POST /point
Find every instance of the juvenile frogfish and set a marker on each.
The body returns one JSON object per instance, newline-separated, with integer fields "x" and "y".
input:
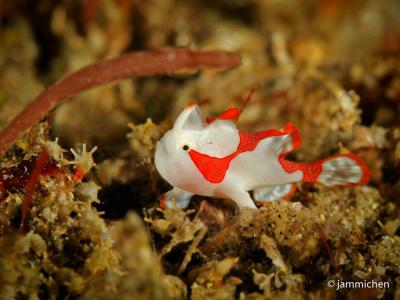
{"x": 214, "y": 158}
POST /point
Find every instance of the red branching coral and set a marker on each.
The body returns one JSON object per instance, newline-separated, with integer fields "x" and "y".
{"x": 17, "y": 177}
{"x": 33, "y": 181}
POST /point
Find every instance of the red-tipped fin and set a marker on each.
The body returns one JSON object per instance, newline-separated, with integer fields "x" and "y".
{"x": 233, "y": 113}
{"x": 294, "y": 134}
{"x": 230, "y": 114}
{"x": 287, "y": 140}
{"x": 191, "y": 104}
{"x": 343, "y": 170}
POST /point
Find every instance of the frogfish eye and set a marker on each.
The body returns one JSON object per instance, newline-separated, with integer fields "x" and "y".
{"x": 185, "y": 147}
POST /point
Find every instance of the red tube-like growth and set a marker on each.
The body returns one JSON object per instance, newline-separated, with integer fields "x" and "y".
{"x": 145, "y": 63}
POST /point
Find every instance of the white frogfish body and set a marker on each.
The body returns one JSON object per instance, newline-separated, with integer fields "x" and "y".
{"x": 216, "y": 159}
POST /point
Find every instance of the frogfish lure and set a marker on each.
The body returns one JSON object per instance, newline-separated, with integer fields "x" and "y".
{"x": 214, "y": 158}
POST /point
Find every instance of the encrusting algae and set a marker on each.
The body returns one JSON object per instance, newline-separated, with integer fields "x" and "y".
{"x": 94, "y": 228}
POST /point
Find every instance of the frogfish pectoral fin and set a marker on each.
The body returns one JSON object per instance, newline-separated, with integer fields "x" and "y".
{"x": 272, "y": 193}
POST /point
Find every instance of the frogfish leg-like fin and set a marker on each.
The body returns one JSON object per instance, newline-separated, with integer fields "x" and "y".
{"x": 272, "y": 193}
{"x": 243, "y": 199}
{"x": 176, "y": 198}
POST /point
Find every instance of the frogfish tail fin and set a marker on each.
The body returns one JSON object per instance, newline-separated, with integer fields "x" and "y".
{"x": 343, "y": 170}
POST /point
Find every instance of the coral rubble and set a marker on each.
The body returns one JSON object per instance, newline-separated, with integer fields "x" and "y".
{"x": 94, "y": 228}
